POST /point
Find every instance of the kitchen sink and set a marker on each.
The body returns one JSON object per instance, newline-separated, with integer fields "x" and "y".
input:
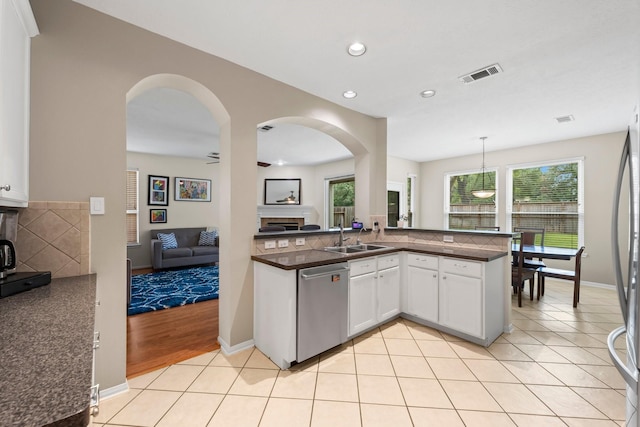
{"x": 343, "y": 249}
{"x": 352, "y": 249}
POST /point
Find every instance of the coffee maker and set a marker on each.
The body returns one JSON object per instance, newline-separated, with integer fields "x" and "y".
{"x": 11, "y": 281}
{"x": 8, "y": 235}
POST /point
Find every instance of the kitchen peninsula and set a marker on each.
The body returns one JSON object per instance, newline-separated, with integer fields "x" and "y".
{"x": 453, "y": 281}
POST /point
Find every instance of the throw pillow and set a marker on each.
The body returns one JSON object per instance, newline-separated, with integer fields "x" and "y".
{"x": 207, "y": 238}
{"x": 168, "y": 241}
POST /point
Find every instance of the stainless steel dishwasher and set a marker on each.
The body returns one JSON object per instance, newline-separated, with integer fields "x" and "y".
{"x": 322, "y": 309}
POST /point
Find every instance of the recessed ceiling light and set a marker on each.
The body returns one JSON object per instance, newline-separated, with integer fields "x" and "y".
{"x": 356, "y": 49}
{"x": 349, "y": 94}
{"x": 427, "y": 93}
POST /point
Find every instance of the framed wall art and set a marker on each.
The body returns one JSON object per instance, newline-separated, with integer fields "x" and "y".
{"x": 157, "y": 216}
{"x": 158, "y": 190}
{"x": 193, "y": 189}
{"x": 282, "y": 191}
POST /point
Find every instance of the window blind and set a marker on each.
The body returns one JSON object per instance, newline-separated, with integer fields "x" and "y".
{"x": 549, "y": 196}
{"x": 132, "y": 213}
{"x": 464, "y": 211}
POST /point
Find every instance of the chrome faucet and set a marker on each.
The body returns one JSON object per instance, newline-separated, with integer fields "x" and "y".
{"x": 358, "y": 241}
{"x": 342, "y": 238}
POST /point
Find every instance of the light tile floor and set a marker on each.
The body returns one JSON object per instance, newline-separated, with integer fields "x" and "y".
{"x": 553, "y": 370}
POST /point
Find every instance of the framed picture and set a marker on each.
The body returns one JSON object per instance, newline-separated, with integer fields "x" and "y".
{"x": 157, "y": 216}
{"x": 282, "y": 191}
{"x": 193, "y": 189}
{"x": 158, "y": 190}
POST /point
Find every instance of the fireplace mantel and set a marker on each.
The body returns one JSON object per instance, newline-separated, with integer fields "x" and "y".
{"x": 287, "y": 211}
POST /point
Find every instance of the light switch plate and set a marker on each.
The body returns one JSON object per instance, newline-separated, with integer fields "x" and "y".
{"x": 300, "y": 241}
{"x": 270, "y": 244}
{"x": 96, "y": 205}
{"x": 283, "y": 243}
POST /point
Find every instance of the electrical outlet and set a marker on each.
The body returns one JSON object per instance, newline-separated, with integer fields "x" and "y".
{"x": 270, "y": 244}
{"x": 283, "y": 243}
{"x": 300, "y": 241}
{"x": 448, "y": 239}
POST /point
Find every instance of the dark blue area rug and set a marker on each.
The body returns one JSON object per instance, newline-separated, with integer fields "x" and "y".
{"x": 172, "y": 288}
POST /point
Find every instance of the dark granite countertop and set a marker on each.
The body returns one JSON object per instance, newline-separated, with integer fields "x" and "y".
{"x": 46, "y": 354}
{"x": 316, "y": 257}
{"x": 391, "y": 230}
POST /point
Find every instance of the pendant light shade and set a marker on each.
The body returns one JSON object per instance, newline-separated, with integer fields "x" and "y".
{"x": 485, "y": 193}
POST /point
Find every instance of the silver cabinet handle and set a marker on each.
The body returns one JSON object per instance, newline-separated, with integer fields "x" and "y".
{"x": 630, "y": 376}
{"x": 95, "y": 400}
{"x": 617, "y": 267}
{"x": 6, "y": 187}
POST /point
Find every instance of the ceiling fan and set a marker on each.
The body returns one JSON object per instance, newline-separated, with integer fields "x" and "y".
{"x": 216, "y": 159}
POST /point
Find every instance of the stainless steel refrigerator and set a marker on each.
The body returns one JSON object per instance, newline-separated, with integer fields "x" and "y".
{"x": 626, "y": 212}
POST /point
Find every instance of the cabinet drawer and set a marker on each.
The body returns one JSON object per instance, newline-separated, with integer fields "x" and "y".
{"x": 388, "y": 261}
{"x": 422, "y": 261}
{"x": 364, "y": 266}
{"x": 459, "y": 266}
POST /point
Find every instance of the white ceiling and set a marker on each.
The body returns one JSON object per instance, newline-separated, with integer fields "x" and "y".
{"x": 578, "y": 57}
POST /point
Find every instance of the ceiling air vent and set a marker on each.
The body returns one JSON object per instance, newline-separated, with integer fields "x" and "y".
{"x": 265, "y": 128}
{"x": 565, "y": 119}
{"x": 481, "y": 74}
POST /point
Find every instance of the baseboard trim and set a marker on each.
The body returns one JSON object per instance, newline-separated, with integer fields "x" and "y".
{"x": 114, "y": 391}
{"x": 228, "y": 350}
{"x": 597, "y": 285}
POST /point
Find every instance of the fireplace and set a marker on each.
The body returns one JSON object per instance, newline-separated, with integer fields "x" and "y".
{"x": 290, "y": 217}
{"x": 288, "y": 223}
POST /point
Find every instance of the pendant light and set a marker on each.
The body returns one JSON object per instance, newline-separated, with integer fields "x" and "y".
{"x": 484, "y": 193}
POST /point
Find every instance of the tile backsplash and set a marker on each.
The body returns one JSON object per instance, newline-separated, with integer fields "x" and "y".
{"x": 54, "y": 236}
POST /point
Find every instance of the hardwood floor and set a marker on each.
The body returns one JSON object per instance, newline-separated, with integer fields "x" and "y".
{"x": 161, "y": 338}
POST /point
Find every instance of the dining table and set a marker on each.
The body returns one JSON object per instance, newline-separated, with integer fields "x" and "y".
{"x": 548, "y": 252}
{"x": 540, "y": 252}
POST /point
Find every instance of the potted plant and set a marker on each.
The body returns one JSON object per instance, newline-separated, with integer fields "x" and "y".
{"x": 401, "y": 220}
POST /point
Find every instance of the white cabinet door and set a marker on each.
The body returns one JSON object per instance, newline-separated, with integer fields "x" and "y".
{"x": 461, "y": 302}
{"x": 388, "y": 293}
{"x": 15, "y": 45}
{"x": 422, "y": 293}
{"x": 362, "y": 302}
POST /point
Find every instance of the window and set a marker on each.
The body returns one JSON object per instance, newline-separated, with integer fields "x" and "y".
{"x": 132, "y": 217}
{"x": 548, "y": 196}
{"x": 464, "y": 211}
{"x": 393, "y": 208}
{"x": 411, "y": 187}
{"x": 341, "y": 197}
{"x": 395, "y": 202}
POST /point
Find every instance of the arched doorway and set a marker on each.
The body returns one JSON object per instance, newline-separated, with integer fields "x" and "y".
{"x": 172, "y": 126}
{"x": 318, "y": 152}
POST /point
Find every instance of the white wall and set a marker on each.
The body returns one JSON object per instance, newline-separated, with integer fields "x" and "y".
{"x": 312, "y": 182}
{"x": 601, "y": 159}
{"x": 179, "y": 213}
{"x": 83, "y": 67}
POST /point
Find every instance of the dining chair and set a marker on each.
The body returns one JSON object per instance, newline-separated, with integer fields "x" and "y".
{"x": 489, "y": 228}
{"x": 269, "y": 228}
{"x": 520, "y": 274}
{"x": 557, "y": 273}
{"x": 535, "y": 235}
{"x": 532, "y": 237}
